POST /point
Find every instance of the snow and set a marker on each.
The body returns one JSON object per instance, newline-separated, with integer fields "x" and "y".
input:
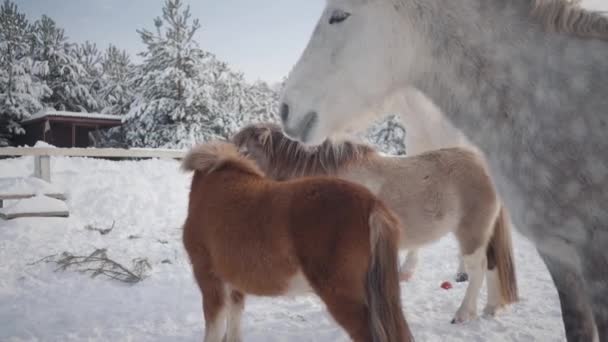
{"x": 22, "y": 186}
{"x": 43, "y": 144}
{"x": 146, "y": 200}
{"x": 38, "y": 204}
{"x": 45, "y": 113}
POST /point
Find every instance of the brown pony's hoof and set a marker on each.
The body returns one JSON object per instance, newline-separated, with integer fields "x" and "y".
{"x": 461, "y": 277}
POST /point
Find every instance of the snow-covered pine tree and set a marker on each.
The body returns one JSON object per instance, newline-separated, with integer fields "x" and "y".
{"x": 387, "y": 135}
{"x": 227, "y": 90}
{"x": 89, "y": 57}
{"x": 262, "y": 103}
{"x": 116, "y": 93}
{"x": 64, "y": 72}
{"x": 20, "y": 87}
{"x": 172, "y": 107}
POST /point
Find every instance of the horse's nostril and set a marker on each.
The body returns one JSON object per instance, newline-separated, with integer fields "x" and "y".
{"x": 284, "y": 112}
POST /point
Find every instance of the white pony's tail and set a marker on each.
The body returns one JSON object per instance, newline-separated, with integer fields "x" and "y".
{"x": 500, "y": 255}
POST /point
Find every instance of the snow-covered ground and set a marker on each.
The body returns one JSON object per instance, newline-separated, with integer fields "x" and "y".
{"x": 147, "y": 201}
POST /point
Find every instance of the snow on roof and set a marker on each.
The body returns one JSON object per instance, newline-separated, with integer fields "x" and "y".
{"x": 46, "y": 112}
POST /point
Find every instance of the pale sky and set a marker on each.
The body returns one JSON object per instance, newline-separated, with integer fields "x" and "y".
{"x": 262, "y": 38}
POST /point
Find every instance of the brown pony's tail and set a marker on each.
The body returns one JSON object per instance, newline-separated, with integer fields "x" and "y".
{"x": 387, "y": 322}
{"x": 500, "y": 255}
{"x": 208, "y": 157}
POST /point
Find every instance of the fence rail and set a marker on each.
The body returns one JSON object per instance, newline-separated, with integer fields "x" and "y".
{"x": 92, "y": 152}
{"x": 42, "y": 155}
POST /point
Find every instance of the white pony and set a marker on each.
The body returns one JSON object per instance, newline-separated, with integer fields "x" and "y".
{"x": 525, "y": 80}
{"x": 425, "y": 133}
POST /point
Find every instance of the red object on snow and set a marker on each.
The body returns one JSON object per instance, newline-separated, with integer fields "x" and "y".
{"x": 446, "y": 285}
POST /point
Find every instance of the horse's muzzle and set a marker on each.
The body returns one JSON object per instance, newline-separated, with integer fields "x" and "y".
{"x": 302, "y": 130}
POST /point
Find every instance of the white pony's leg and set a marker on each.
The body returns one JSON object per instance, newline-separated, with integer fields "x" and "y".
{"x": 461, "y": 274}
{"x": 409, "y": 265}
{"x": 475, "y": 265}
{"x": 494, "y": 300}
{"x": 236, "y": 305}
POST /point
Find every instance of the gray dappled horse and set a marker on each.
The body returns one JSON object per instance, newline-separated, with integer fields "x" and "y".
{"x": 525, "y": 80}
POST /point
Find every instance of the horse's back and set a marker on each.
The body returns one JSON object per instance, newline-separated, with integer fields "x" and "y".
{"x": 242, "y": 226}
{"x": 329, "y": 223}
{"x": 433, "y": 191}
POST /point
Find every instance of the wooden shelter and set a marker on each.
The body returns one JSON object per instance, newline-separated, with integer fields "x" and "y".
{"x": 64, "y": 129}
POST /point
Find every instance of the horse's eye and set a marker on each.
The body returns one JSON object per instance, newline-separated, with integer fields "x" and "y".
{"x": 338, "y": 16}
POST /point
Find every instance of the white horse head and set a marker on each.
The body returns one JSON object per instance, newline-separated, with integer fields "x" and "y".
{"x": 355, "y": 57}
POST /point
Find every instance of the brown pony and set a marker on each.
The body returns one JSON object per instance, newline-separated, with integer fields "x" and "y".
{"x": 246, "y": 234}
{"x": 433, "y": 194}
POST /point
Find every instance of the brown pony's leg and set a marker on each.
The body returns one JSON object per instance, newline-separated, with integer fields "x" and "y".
{"x": 349, "y": 310}
{"x": 236, "y": 305}
{"x": 214, "y": 300}
{"x": 343, "y": 292}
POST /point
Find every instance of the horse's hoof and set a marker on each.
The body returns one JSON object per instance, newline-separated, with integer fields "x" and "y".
{"x": 491, "y": 311}
{"x": 405, "y": 276}
{"x": 464, "y": 316}
{"x": 461, "y": 277}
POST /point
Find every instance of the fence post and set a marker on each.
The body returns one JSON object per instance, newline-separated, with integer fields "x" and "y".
{"x": 42, "y": 167}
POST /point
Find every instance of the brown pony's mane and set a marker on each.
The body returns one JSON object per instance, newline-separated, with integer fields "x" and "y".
{"x": 569, "y": 17}
{"x": 290, "y": 158}
{"x": 210, "y": 157}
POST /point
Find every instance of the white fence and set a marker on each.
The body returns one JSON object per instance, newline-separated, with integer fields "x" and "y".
{"x": 42, "y": 155}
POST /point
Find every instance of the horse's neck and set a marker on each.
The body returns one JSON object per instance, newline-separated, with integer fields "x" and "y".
{"x": 534, "y": 102}
{"x": 426, "y": 127}
{"x": 506, "y": 78}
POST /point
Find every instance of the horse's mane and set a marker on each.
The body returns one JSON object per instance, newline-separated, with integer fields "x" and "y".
{"x": 569, "y": 17}
{"x": 209, "y": 157}
{"x": 292, "y": 159}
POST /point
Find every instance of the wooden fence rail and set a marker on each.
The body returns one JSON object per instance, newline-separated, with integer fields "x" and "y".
{"x": 42, "y": 155}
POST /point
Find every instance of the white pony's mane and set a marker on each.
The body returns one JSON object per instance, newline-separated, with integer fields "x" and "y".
{"x": 568, "y": 16}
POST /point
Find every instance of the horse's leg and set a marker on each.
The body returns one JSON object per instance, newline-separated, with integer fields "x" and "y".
{"x": 409, "y": 265}
{"x": 215, "y": 309}
{"x": 576, "y": 312}
{"x": 461, "y": 274}
{"x": 475, "y": 265}
{"x": 350, "y": 311}
{"x": 596, "y": 282}
{"x": 343, "y": 293}
{"x": 214, "y": 299}
{"x": 236, "y": 304}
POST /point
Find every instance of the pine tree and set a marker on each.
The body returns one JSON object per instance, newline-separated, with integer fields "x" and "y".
{"x": 90, "y": 58}
{"x": 116, "y": 93}
{"x": 228, "y": 95}
{"x": 172, "y": 108}
{"x": 263, "y": 102}
{"x": 20, "y": 87}
{"x": 388, "y": 135}
{"x": 64, "y": 72}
